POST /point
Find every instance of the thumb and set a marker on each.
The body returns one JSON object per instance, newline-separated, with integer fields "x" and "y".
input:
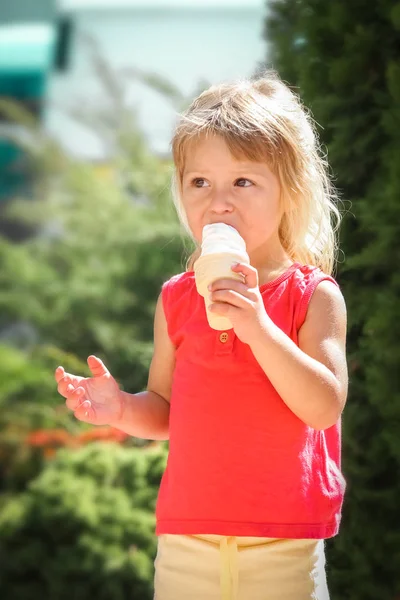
{"x": 96, "y": 366}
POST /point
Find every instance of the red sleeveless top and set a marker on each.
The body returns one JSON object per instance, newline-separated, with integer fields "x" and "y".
{"x": 240, "y": 462}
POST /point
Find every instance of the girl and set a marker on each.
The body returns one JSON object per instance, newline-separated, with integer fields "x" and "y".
{"x": 253, "y": 483}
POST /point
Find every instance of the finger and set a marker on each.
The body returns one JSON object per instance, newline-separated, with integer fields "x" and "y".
{"x": 228, "y": 284}
{"x": 84, "y": 412}
{"x": 96, "y": 366}
{"x": 67, "y": 380}
{"x": 75, "y": 397}
{"x": 230, "y": 297}
{"x": 249, "y": 272}
{"x": 224, "y": 309}
{"x": 59, "y": 374}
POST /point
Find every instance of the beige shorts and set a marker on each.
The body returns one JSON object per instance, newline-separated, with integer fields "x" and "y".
{"x": 215, "y": 567}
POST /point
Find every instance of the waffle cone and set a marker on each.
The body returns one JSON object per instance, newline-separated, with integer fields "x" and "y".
{"x": 208, "y": 269}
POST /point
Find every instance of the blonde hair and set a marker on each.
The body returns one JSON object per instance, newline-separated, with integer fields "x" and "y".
{"x": 261, "y": 119}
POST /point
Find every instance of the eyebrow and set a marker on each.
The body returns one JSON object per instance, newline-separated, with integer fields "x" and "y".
{"x": 244, "y": 170}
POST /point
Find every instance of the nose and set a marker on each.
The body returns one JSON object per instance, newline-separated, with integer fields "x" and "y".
{"x": 220, "y": 203}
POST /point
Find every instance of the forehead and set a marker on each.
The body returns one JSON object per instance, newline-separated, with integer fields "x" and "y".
{"x": 211, "y": 152}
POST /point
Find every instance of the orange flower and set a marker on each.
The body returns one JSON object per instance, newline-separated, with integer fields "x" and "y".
{"x": 55, "y": 438}
{"x": 49, "y": 437}
{"x": 103, "y": 434}
{"x": 49, "y": 452}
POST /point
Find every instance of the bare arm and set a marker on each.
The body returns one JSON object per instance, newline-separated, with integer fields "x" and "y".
{"x": 310, "y": 378}
{"x": 146, "y": 414}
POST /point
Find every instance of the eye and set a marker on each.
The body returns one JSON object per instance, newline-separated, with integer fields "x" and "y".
{"x": 242, "y": 180}
{"x": 198, "y": 182}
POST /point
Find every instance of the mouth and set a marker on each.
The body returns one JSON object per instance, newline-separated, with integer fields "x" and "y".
{"x": 223, "y": 223}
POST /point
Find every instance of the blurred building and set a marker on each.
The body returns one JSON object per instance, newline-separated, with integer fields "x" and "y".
{"x": 46, "y": 62}
{"x": 32, "y": 44}
{"x": 184, "y": 41}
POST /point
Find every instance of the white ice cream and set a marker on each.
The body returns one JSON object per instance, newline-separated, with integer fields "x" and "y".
{"x": 219, "y": 237}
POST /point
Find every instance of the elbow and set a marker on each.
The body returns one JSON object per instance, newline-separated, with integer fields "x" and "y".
{"x": 330, "y": 416}
{"x": 161, "y": 436}
{"x": 331, "y": 413}
{"x": 323, "y": 424}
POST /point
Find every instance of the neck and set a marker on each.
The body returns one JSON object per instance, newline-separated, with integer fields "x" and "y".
{"x": 270, "y": 264}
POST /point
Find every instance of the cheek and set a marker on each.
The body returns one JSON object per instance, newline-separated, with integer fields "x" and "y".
{"x": 196, "y": 229}
{"x": 265, "y": 209}
{"x": 262, "y": 220}
{"x": 193, "y": 217}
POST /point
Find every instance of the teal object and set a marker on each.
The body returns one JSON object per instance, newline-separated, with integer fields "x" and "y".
{"x": 28, "y": 84}
{"x": 26, "y": 59}
{"x": 27, "y": 47}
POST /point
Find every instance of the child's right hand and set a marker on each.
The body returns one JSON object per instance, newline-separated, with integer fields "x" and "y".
{"x": 96, "y": 400}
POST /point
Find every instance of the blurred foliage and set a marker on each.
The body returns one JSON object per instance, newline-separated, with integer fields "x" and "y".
{"x": 344, "y": 59}
{"x": 105, "y": 238}
{"x": 76, "y": 515}
{"x": 84, "y": 526}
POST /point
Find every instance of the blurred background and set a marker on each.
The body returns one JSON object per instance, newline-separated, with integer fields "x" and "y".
{"x": 89, "y": 94}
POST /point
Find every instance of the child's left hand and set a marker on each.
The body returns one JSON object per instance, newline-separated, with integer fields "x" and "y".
{"x": 242, "y": 303}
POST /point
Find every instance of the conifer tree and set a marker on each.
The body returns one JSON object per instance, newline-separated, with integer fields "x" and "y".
{"x": 343, "y": 57}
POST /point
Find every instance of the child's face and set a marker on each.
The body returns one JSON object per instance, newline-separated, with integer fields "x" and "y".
{"x": 216, "y": 188}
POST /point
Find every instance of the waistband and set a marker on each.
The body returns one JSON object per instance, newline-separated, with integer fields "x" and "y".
{"x": 229, "y": 547}
{"x": 229, "y": 558}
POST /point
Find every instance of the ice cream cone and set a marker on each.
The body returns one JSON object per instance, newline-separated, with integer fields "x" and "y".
{"x": 208, "y": 269}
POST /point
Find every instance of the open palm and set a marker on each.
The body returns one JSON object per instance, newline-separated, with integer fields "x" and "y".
{"x": 96, "y": 399}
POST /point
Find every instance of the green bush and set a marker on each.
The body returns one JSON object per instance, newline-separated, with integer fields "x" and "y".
{"x": 84, "y": 526}
{"x": 87, "y": 283}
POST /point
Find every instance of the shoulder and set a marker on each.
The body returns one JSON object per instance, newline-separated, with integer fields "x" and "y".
{"x": 325, "y": 306}
{"x": 181, "y": 278}
{"x": 328, "y": 304}
{"x": 309, "y": 275}
{"x": 178, "y": 293}
{"x": 179, "y": 283}
{"x": 317, "y": 293}
{"x": 180, "y": 302}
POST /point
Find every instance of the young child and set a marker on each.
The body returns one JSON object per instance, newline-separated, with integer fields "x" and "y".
{"x": 253, "y": 483}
